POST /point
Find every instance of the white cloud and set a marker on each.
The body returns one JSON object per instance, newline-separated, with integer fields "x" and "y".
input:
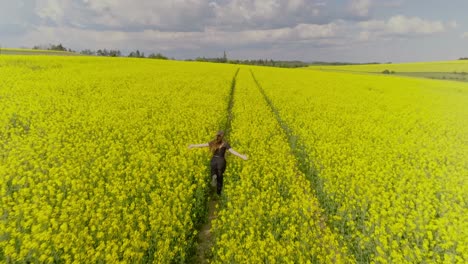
{"x": 51, "y": 9}
{"x": 364, "y": 36}
{"x": 392, "y": 3}
{"x": 265, "y": 14}
{"x": 452, "y": 24}
{"x": 148, "y": 39}
{"x": 464, "y": 35}
{"x": 247, "y": 10}
{"x": 162, "y": 14}
{"x": 403, "y": 26}
{"x": 197, "y": 26}
{"x": 360, "y": 7}
{"x": 16, "y": 17}
{"x": 180, "y": 15}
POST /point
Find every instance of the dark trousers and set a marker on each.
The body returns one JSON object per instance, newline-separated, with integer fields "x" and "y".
{"x": 218, "y": 166}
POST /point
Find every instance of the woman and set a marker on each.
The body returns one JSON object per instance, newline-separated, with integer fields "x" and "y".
{"x": 218, "y": 163}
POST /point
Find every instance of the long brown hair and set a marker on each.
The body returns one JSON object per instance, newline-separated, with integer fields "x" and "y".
{"x": 217, "y": 141}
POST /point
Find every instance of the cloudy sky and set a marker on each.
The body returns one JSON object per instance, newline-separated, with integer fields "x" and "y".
{"x": 308, "y": 30}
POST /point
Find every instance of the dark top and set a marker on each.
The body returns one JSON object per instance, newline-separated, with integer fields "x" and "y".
{"x": 222, "y": 150}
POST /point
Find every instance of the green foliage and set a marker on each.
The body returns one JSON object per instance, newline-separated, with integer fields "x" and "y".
{"x": 136, "y": 54}
{"x": 386, "y": 71}
{"x": 157, "y": 56}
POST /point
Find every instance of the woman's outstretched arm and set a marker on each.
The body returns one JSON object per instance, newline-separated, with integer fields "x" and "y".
{"x": 244, "y": 157}
{"x": 198, "y": 145}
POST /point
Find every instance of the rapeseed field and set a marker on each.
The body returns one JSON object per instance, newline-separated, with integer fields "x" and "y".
{"x": 342, "y": 168}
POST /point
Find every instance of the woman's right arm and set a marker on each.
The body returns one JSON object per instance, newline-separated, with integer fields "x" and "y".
{"x": 198, "y": 145}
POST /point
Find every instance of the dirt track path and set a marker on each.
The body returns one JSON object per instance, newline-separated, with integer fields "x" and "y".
{"x": 205, "y": 239}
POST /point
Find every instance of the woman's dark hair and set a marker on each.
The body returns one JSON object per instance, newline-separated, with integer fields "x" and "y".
{"x": 217, "y": 141}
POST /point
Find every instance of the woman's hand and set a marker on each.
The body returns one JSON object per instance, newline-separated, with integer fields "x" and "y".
{"x": 190, "y": 146}
{"x": 244, "y": 157}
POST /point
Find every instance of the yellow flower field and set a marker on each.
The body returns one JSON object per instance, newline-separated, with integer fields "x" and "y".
{"x": 390, "y": 156}
{"x": 93, "y": 157}
{"x": 270, "y": 214}
{"x": 438, "y": 66}
{"x": 342, "y": 168}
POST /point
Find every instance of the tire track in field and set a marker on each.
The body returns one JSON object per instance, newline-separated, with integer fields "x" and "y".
{"x": 205, "y": 238}
{"x": 306, "y": 166}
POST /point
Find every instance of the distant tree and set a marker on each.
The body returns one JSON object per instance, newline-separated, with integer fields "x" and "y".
{"x": 58, "y": 47}
{"x": 263, "y": 62}
{"x": 224, "y": 59}
{"x": 114, "y": 53}
{"x": 136, "y": 54}
{"x": 386, "y": 71}
{"x": 157, "y": 56}
{"x": 88, "y": 52}
{"x": 42, "y": 47}
{"x": 464, "y": 58}
{"x": 104, "y": 52}
{"x": 100, "y": 52}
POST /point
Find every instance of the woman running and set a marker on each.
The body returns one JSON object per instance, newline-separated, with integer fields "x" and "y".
{"x": 218, "y": 163}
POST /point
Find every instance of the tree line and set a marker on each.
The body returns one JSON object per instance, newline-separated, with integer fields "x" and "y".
{"x": 139, "y": 54}
{"x": 259, "y": 62}
{"x": 118, "y": 53}
{"x": 223, "y": 59}
{"x": 58, "y": 47}
{"x": 101, "y": 52}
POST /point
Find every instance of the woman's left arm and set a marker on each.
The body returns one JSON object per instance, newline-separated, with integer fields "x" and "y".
{"x": 244, "y": 157}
